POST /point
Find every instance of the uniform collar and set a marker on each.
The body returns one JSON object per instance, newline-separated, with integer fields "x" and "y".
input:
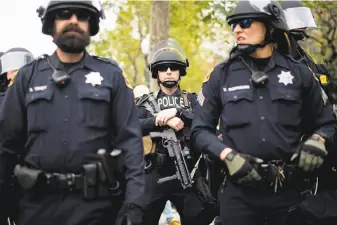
{"x": 176, "y": 93}
{"x": 276, "y": 60}
{"x": 87, "y": 61}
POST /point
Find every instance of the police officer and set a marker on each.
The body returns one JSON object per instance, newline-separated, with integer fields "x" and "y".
{"x": 168, "y": 64}
{"x": 299, "y": 18}
{"x": 265, "y": 102}
{"x": 11, "y": 61}
{"x": 62, "y": 109}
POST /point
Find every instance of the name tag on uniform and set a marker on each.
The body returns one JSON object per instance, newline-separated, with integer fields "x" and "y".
{"x": 167, "y": 102}
{"x": 236, "y": 88}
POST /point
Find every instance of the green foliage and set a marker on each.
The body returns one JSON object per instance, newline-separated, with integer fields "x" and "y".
{"x": 192, "y": 23}
{"x": 322, "y": 43}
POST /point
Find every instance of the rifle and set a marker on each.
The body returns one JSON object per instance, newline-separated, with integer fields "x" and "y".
{"x": 172, "y": 144}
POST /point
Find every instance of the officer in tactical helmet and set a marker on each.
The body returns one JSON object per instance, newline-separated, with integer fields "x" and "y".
{"x": 266, "y": 102}
{"x": 299, "y": 19}
{"x": 11, "y": 61}
{"x": 166, "y": 116}
{"x": 62, "y": 118}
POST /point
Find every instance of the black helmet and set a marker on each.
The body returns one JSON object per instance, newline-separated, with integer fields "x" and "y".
{"x": 265, "y": 10}
{"x": 14, "y": 59}
{"x": 167, "y": 52}
{"x": 47, "y": 17}
{"x": 297, "y": 15}
{"x": 168, "y": 58}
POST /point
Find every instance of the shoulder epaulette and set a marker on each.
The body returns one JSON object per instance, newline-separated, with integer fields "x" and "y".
{"x": 107, "y": 60}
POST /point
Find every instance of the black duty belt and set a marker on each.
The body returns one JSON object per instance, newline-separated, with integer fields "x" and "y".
{"x": 279, "y": 176}
{"x": 92, "y": 183}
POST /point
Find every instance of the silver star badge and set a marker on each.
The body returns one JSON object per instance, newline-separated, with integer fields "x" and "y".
{"x": 285, "y": 78}
{"x": 94, "y": 78}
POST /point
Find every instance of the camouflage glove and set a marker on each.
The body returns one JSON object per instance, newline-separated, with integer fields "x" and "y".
{"x": 240, "y": 167}
{"x": 311, "y": 154}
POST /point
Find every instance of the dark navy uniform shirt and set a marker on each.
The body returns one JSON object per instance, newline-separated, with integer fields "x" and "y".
{"x": 59, "y": 129}
{"x": 265, "y": 122}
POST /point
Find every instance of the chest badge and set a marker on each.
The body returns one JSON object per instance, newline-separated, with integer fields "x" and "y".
{"x": 94, "y": 78}
{"x": 285, "y": 78}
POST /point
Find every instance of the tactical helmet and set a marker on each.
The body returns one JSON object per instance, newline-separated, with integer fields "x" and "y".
{"x": 47, "y": 14}
{"x": 167, "y": 52}
{"x": 14, "y": 59}
{"x": 265, "y": 10}
{"x": 297, "y": 15}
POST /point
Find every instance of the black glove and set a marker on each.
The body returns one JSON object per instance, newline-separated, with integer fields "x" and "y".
{"x": 311, "y": 154}
{"x": 130, "y": 214}
{"x": 240, "y": 167}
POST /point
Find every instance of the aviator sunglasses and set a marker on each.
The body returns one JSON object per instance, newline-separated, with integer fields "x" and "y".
{"x": 66, "y": 14}
{"x": 164, "y": 68}
{"x": 244, "y": 23}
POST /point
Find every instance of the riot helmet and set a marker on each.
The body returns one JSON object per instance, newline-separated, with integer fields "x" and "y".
{"x": 14, "y": 59}
{"x": 167, "y": 53}
{"x": 47, "y": 14}
{"x": 298, "y": 17}
{"x": 268, "y": 12}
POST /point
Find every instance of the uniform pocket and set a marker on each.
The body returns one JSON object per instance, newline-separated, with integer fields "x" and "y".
{"x": 286, "y": 105}
{"x": 94, "y": 110}
{"x": 237, "y": 108}
{"x": 38, "y": 103}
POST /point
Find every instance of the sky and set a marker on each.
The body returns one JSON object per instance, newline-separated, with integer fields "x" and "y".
{"x": 21, "y": 27}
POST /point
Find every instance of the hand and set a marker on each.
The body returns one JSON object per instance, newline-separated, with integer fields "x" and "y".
{"x": 240, "y": 167}
{"x": 311, "y": 154}
{"x": 130, "y": 214}
{"x": 164, "y": 115}
{"x": 176, "y": 123}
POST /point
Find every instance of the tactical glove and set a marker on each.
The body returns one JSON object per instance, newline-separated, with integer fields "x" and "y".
{"x": 240, "y": 167}
{"x": 130, "y": 214}
{"x": 311, "y": 154}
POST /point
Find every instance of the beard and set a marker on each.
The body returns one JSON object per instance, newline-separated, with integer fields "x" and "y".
{"x": 74, "y": 42}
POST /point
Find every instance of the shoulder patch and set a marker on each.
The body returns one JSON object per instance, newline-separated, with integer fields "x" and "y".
{"x": 11, "y": 82}
{"x": 127, "y": 82}
{"x": 107, "y": 60}
{"x": 206, "y": 78}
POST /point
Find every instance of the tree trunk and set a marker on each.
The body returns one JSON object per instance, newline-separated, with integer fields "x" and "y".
{"x": 159, "y": 28}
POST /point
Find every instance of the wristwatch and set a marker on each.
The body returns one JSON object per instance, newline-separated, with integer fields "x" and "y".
{"x": 230, "y": 156}
{"x": 317, "y": 138}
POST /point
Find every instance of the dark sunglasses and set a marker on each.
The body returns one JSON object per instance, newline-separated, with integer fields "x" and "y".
{"x": 66, "y": 14}
{"x": 244, "y": 23}
{"x": 164, "y": 68}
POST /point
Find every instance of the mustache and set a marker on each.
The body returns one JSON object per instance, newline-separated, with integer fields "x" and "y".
{"x": 73, "y": 27}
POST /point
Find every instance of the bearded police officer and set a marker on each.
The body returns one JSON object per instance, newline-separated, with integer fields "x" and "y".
{"x": 167, "y": 116}
{"x": 266, "y": 102}
{"x": 11, "y": 61}
{"x": 62, "y": 109}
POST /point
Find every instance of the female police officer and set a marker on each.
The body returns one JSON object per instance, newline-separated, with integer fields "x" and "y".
{"x": 266, "y": 102}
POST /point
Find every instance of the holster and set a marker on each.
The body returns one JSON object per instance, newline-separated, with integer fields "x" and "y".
{"x": 92, "y": 182}
{"x": 27, "y": 177}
